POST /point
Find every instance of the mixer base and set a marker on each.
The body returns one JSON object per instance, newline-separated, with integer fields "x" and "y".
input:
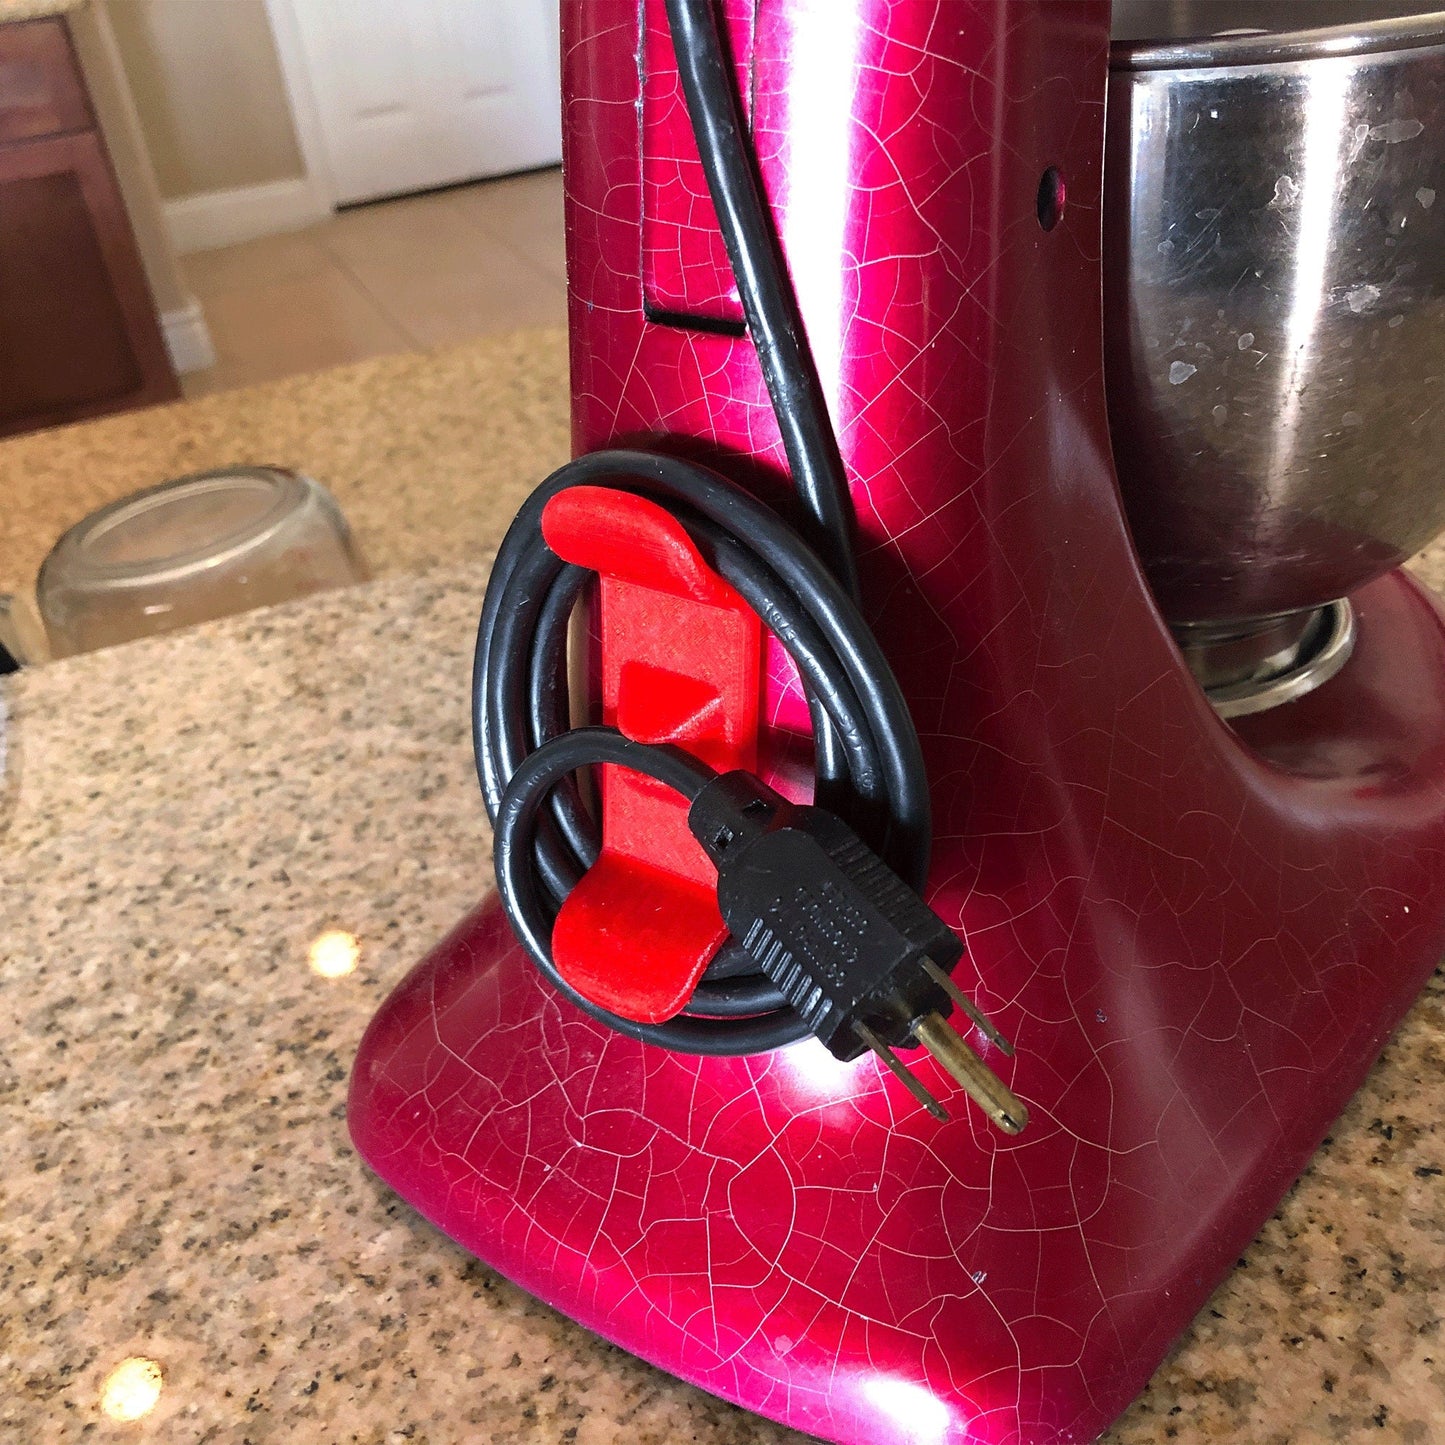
{"x": 788, "y": 1232}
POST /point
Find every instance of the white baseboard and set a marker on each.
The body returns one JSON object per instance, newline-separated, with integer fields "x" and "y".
{"x": 188, "y": 338}
{"x": 224, "y": 218}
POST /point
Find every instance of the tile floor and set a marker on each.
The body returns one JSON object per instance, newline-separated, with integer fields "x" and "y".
{"x": 418, "y": 272}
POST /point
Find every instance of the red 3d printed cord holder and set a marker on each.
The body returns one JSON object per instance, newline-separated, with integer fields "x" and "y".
{"x": 680, "y": 663}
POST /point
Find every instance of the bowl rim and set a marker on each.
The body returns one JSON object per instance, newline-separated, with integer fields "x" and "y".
{"x": 1364, "y": 37}
{"x": 115, "y": 577}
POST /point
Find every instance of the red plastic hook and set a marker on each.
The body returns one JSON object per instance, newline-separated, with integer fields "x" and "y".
{"x": 681, "y": 663}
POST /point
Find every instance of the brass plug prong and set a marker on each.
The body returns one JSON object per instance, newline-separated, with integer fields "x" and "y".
{"x": 942, "y": 979}
{"x": 896, "y": 1066}
{"x": 980, "y": 1082}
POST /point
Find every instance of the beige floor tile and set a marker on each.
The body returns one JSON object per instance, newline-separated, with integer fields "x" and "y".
{"x": 418, "y": 229}
{"x": 459, "y": 282}
{"x": 303, "y": 324}
{"x": 525, "y": 212}
{"x": 495, "y": 292}
{"x": 289, "y": 257}
{"x": 421, "y": 271}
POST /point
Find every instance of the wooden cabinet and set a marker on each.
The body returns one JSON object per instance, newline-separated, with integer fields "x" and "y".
{"x": 78, "y": 329}
{"x": 41, "y": 91}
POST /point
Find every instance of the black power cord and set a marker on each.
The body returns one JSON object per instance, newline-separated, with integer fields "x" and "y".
{"x": 775, "y": 324}
{"x": 522, "y": 705}
{"x": 787, "y": 875}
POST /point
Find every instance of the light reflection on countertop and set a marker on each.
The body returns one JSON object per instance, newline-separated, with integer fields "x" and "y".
{"x": 334, "y": 953}
{"x": 131, "y": 1390}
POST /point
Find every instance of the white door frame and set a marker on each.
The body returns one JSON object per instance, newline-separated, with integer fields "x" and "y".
{"x": 242, "y": 213}
{"x": 296, "y": 72}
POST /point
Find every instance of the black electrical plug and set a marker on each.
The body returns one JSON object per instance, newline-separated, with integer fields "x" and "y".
{"x": 855, "y": 951}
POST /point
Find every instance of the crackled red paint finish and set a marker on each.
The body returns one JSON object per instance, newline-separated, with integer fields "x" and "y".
{"x": 685, "y": 270}
{"x": 1197, "y": 938}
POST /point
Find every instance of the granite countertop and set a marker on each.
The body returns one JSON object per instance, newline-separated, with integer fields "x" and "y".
{"x": 184, "y": 816}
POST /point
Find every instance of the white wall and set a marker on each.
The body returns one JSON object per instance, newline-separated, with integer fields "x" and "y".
{"x": 217, "y": 117}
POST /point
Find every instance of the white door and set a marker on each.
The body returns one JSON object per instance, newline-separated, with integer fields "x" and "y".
{"x": 418, "y": 93}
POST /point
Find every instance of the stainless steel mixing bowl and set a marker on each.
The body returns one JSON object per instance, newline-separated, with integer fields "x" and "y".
{"x": 1274, "y": 248}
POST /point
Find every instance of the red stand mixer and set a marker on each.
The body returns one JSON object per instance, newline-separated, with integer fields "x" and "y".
{"x": 1196, "y": 933}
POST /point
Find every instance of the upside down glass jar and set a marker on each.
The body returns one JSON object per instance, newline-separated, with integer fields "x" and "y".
{"x": 191, "y": 550}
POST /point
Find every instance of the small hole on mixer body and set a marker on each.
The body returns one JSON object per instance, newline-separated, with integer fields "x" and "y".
{"x": 1052, "y": 197}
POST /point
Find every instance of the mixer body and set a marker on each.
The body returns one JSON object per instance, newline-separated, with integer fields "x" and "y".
{"x": 1198, "y": 938}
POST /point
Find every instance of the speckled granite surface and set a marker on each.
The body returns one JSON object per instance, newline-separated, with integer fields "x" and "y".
{"x": 428, "y": 454}
{"x": 183, "y": 816}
